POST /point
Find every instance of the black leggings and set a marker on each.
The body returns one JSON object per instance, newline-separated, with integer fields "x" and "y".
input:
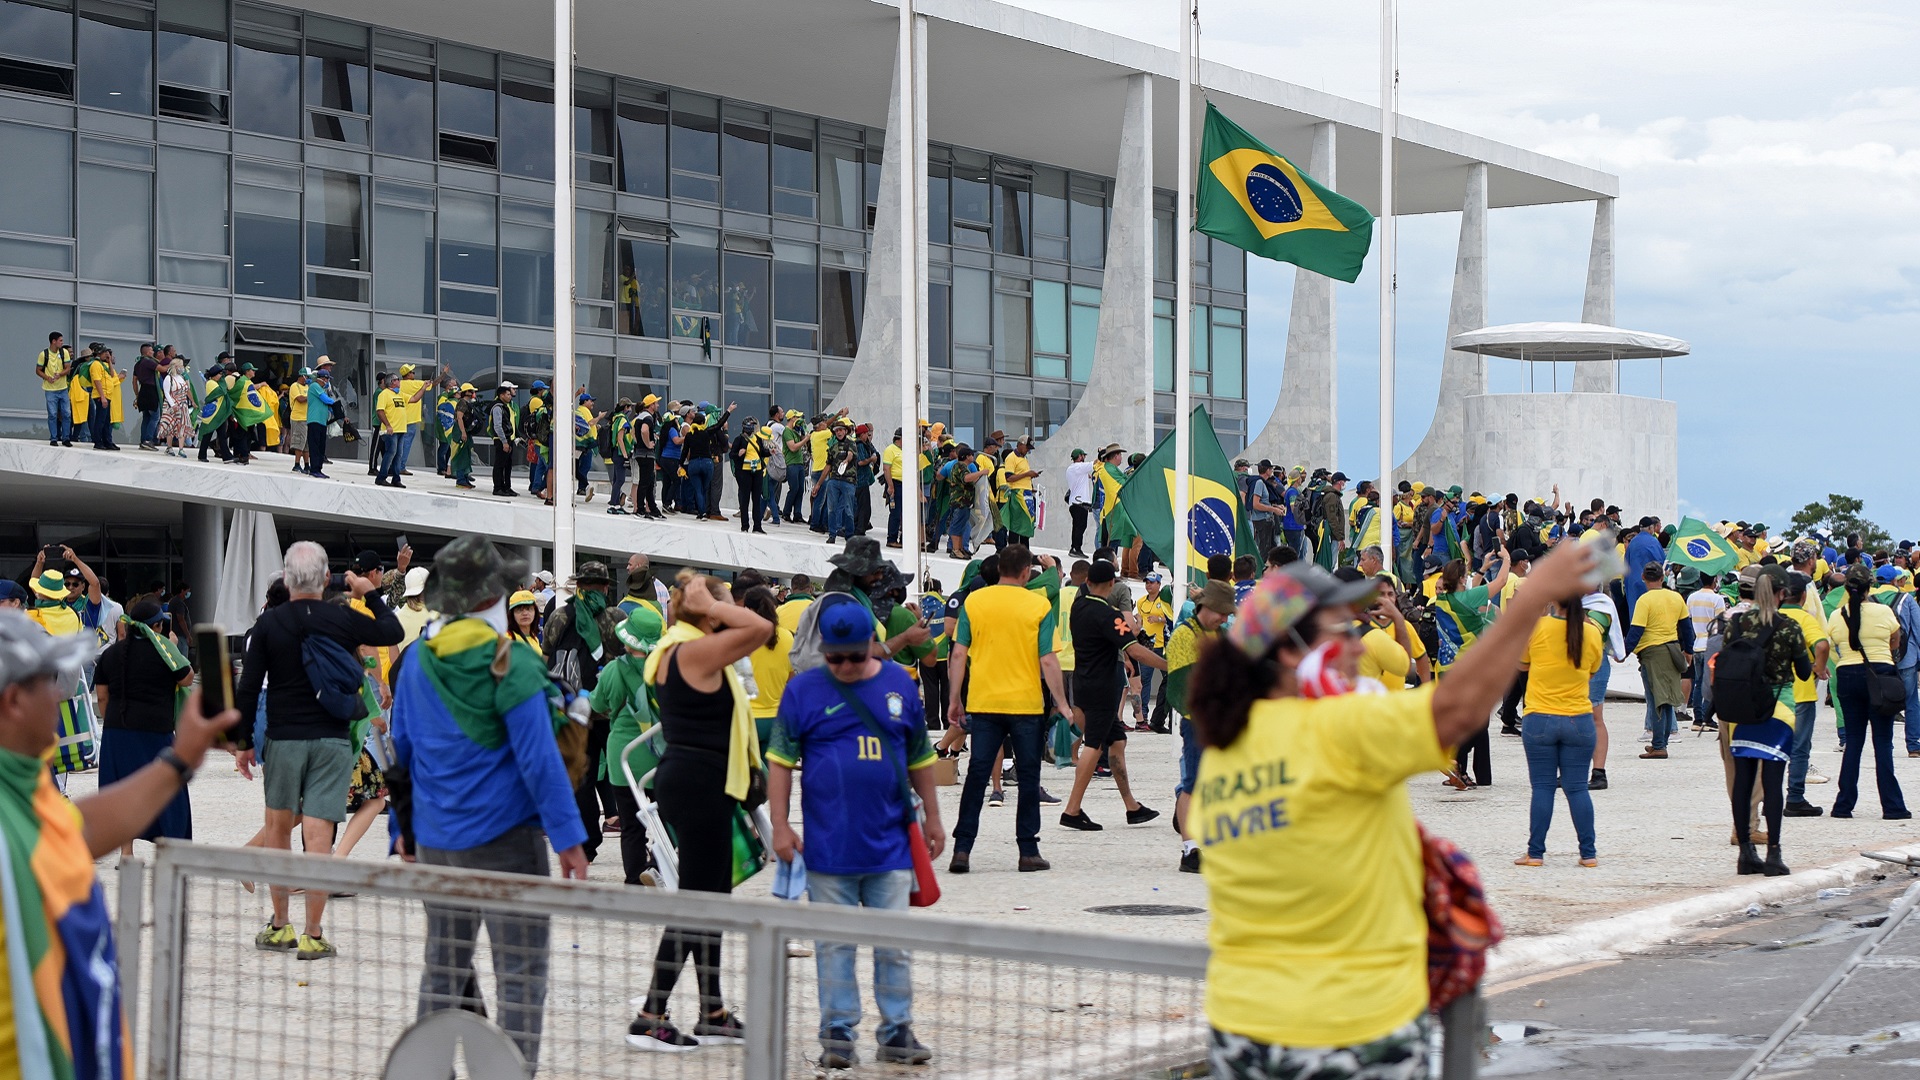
{"x": 634, "y": 856}
{"x": 1478, "y": 748}
{"x": 690, "y": 787}
{"x": 1771, "y": 773}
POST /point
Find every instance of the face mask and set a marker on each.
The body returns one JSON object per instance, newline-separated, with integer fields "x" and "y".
{"x": 1319, "y": 672}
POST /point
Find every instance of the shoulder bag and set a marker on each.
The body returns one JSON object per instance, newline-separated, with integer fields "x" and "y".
{"x": 926, "y": 887}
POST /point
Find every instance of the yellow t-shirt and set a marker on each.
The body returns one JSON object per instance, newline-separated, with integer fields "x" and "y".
{"x": 890, "y": 459}
{"x": 1006, "y": 629}
{"x": 393, "y": 412}
{"x": 408, "y": 387}
{"x": 1313, "y": 869}
{"x": 1815, "y": 631}
{"x": 1555, "y": 686}
{"x": 296, "y": 403}
{"x": 1877, "y": 624}
{"x": 817, "y": 442}
{"x": 1017, "y": 464}
{"x": 1383, "y": 658}
{"x": 771, "y": 670}
{"x": 791, "y": 611}
{"x": 54, "y": 368}
{"x": 1062, "y": 637}
{"x": 1659, "y": 612}
{"x": 1156, "y": 618}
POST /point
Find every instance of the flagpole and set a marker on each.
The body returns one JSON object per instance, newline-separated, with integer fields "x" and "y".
{"x": 1389, "y": 110}
{"x": 561, "y": 402}
{"x": 1183, "y": 308}
{"x": 907, "y": 170}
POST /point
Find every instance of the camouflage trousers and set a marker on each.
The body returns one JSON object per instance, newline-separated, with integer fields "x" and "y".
{"x": 1401, "y": 1054}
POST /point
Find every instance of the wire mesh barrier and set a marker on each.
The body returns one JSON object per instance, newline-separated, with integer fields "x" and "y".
{"x": 984, "y": 1000}
{"x": 1863, "y": 1022}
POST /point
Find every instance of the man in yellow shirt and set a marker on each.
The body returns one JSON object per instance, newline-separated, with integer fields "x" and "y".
{"x": 297, "y": 418}
{"x": 1806, "y": 692}
{"x": 412, "y": 391}
{"x": 819, "y": 439}
{"x": 1660, "y": 627}
{"x": 892, "y": 458}
{"x": 799, "y": 599}
{"x": 54, "y": 365}
{"x": 392, "y": 409}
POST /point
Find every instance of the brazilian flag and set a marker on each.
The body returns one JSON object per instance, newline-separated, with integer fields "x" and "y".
{"x": 1695, "y": 545}
{"x": 1215, "y": 522}
{"x": 248, "y": 406}
{"x": 1258, "y": 201}
{"x": 1118, "y": 527}
{"x": 1014, "y": 515}
{"x": 215, "y": 409}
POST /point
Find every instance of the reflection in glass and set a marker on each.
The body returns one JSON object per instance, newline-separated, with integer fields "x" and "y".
{"x": 1229, "y": 360}
{"x": 1163, "y": 345}
{"x": 403, "y": 108}
{"x": 266, "y": 83}
{"x": 36, "y": 191}
{"x": 403, "y": 249}
{"x": 969, "y": 417}
{"x": 526, "y": 264}
{"x": 696, "y": 271}
{"x": 972, "y": 306}
{"x": 336, "y": 77}
{"x": 696, "y": 134}
{"x": 336, "y": 219}
{"x": 937, "y": 204}
{"x": 191, "y": 59}
{"x": 593, "y": 255}
{"x": 938, "y": 299}
{"x": 593, "y": 116}
{"x": 116, "y": 231}
{"x": 840, "y": 200}
{"x": 1050, "y": 317}
{"x": 643, "y": 148}
{"x": 192, "y": 201}
{"x": 116, "y": 57}
{"x": 467, "y": 238}
{"x": 793, "y": 156}
{"x": 526, "y": 130}
{"x": 746, "y": 299}
{"x": 744, "y": 168}
{"x": 266, "y": 241}
{"x": 1049, "y": 202}
{"x": 1089, "y": 215}
{"x": 466, "y": 91}
{"x": 1229, "y": 267}
{"x": 1010, "y": 216}
{"x": 1084, "y": 332}
{"x": 796, "y": 287}
{"x": 842, "y": 293}
{"x": 38, "y": 32}
{"x": 643, "y": 288}
{"x": 1012, "y": 334}
{"x": 971, "y": 194}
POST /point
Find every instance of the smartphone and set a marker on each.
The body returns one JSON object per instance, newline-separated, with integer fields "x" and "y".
{"x": 216, "y": 668}
{"x": 400, "y": 542}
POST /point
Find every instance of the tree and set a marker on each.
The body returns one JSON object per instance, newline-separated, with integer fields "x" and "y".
{"x": 1836, "y": 518}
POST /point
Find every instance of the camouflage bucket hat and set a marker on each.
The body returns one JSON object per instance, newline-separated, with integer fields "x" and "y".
{"x": 470, "y": 572}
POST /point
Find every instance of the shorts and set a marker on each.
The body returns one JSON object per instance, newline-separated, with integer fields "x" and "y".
{"x": 297, "y": 438}
{"x": 1189, "y": 758}
{"x": 1101, "y": 720}
{"x": 1597, "y": 682}
{"x": 310, "y": 777}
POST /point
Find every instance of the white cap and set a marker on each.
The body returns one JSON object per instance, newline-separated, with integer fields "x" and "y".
{"x": 416, "y": 582}
{"x": 544, "y": 577}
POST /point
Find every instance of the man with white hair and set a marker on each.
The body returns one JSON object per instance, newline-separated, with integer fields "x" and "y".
{"x": 303, "y": 651}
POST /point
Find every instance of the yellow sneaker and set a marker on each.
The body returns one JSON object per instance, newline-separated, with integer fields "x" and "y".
{"x": 273, "y": 938}
{"x": 313, "y": 948}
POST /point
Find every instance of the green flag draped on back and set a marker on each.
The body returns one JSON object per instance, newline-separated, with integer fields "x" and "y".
{"x": 1215, "y": 523}
{"x": 1695, "y": 545}
{"x": 1258, "y": 201}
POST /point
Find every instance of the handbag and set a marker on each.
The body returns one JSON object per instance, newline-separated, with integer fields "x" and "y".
{"x": 1886, "y": 694}
{"x": 926, "y": 887}
{"x": 1461, "y": 927}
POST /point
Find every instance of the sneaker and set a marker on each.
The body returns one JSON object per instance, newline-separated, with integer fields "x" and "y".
{"x": 1141, "y": 814}
{"x": 836, "y": 1050}
{"x": 903, "y": 1049}
{"x": 1080, "y": 821}
{"x": 1815, "y": 778}
{"x": 314, "y": 948}
{"x": 1802, "y": 808}
{"x": 1598, "y": 781}
{"x": 273, "y": 938}
{"x": 1645, "y": 735}
{"x": 657, "y": 1036}
{"x": 1048, "y": 798}
{"x": 997, "y": 798}
{"x": 1190, "y": 861}
{"x": 1102, "y": 773}
{"x": 720, "y": 1030}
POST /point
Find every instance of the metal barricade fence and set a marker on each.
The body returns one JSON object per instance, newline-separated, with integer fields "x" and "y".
{"x": 987, "y": 999}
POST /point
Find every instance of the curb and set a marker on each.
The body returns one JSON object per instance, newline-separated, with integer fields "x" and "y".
{"x": 1633, "y": 931}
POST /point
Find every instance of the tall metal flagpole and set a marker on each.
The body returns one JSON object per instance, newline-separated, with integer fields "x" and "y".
{"x": 1389, "y": 114}
{"x": 1183, "y": 305}
{"x": 562, "y": 400}
{"x": 907, "y": 174}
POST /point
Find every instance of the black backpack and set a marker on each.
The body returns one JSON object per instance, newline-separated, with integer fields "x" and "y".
{"x": 1741, "y": 693}
{"x": 1421, "y": 621}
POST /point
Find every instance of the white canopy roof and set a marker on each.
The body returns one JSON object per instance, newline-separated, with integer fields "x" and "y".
{"x": 1567, "y": 342}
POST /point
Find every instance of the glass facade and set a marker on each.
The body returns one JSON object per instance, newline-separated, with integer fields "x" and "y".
{"x": 239, "y": 176}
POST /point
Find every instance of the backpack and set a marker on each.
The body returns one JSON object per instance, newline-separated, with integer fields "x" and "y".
{"x": 336, "y": 675}
{"x": 604, "y": 440}
{"x": 806, "y": 653}
{"x": 1307, "y": 507}
{"x": 1420, "y": 620}
{"x": 1741, "y": 693}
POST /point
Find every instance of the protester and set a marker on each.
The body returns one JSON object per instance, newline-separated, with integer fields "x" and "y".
{"x": 771, "y": 663}
{"x": 1806, "y": 691}
{"x": 1101, "y": 639}
{"x": 1460, "y": 609}
{"x": 621, "y": 696}
{"x": 1865, "y": 638}
{"x": 1319, "y": 939}
{"x": 474, "y": 728}
{"x": 137, "y": 685}
{"x": 578, "y": 640}
{"x": 1763, "y": 744}
{"x": 705, "y": 776}
{"x": 309, "y": 762}
{"x": 646, "y": 452}
{"x": 1661, "y": 636}
{"x": 1210, "y": 613}
{"x": 503, "y": 425}
{"x": 1390, "y": 651}
{"x": 1557, "y": 728}
{"x": 860, "y": 762}
{"x": 749, "y": 456}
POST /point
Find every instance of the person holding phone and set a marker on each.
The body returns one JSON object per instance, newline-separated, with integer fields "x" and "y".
{"x": 134, "y": 684}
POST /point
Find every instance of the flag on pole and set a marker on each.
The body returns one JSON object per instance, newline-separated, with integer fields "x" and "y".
{"x": 1215, "y": 522}
{"x": 1695, "y": 545}
{"x": 1258, "y": 201}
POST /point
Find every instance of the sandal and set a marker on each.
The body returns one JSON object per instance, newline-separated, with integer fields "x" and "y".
{"x": 1528, "y": 860}
{"x": 1456, "y": 781}
{"x": 1590, "y": 863}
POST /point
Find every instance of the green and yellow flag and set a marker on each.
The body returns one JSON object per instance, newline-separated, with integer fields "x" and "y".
{"x": 1258, "y": 201}
{"x": 1215, "y": 522}
{"x": 1695, "y": 545}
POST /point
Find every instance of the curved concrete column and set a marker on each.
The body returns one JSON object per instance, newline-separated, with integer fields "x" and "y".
{"x": 1304, "y": 427}
{"x": 1599, "y": 376}
{"x": 1441, "y": 457}
{"x": 1117, "y": 404}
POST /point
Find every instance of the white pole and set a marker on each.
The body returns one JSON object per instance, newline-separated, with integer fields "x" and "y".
{"x": 561, "y": 481}
{"x": 907, "y": 176}
{"x": 1389, "y": 110}
{"x": 1183, "y": 307}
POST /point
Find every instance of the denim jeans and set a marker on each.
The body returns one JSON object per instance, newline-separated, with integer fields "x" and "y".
{"x": 390, "y": 456}
{"x": 100, "y": 423}
{"x": 443, "y": 454}
{"x": 796, "y": 490}
{"x": 150, "y": 427}
{"x": 894, "y": 513}
{"x": 1701, "y": 699}
{"x": 816, "y": 513}
{"x": 616, "y": 480}
{"x": 1852, "y": 682}
{"x": 1910, "y": 677}
{"x": 1660, "y": 719}
{"x": 59, "y": 416}
{"x": 770, "y": 493}
{"x": 582, "y": 469}
{"x": 834, "y": 960}
{"x": 693, "y": 490}
{"x": 839, "y": 508}
{"x": 1559, "y": 753}
{"x": 1803, "y": 725}
{"x": 406, "y": 447}
{"x": 1190, "y": 748}
{"x": 990, "y": 732}
{"x": 518, "y": 942}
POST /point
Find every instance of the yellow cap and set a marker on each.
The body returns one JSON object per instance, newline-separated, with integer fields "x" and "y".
{"x": 468, "y": 388}
{"x": 523, "y": 598}
{"x": 406, "y": 369}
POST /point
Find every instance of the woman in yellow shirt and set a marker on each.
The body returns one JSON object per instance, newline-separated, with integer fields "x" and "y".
{"x": 523, "y": 620}
{"x": 770, "y": 663}
{"x": 1557, "y": 727}
{"x": 1309, "y": 848}
{"x": 1390, "y": 650}
{"x": 1866, "y": 637}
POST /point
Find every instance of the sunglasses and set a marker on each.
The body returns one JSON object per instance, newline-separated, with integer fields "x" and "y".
{"x": 837, "y": 659}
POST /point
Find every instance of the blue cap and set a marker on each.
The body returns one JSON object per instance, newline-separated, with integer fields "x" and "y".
{"x": 584, "y": 398}
{"x": 844, "y": 625}
{"x": 1889, "y": 574}
{"x": 12, "y": 590}
{"x": 539, "y": 384}
{"x": 705, "y": 406}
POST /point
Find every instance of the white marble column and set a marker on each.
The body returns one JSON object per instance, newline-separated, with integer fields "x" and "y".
{"x": 1117, "y": 404}
{"x": 1441, "y": 458}
{"x": 1304, "y": 425}
{"x": 1599, "y": 376}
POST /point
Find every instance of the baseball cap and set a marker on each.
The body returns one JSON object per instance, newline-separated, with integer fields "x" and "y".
{"x": 416, "y": 582}
{"x": 1888, "y": 573}
{"x": 468, "y": 388}
{"x": 407, "y": 369}
{"x": 539, "y": 384}
{"x": 584, "y": 398}
{"x": 1077, "y": 454}
{"x": 27, "y": 651}
{"x": 544, "y": 577}
{"x": 1101, "y": 572}
{"x": 1278, "y": 603}
{"x": 649, "y": 401}
{"x": 844, "y": 625}
{"x": 366, "y": 562}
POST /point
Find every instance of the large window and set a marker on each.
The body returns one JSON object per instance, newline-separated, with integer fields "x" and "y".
{"x": 403, "y": 243}
{"x": 116, "y": 56}
{"x": 793, "y": 177}
{"x": 972, "y": 319}
{"x": 36, "y": 197}
{"x": 796, "y": 296}
{"x": 338, "y": 93}
{"x": 467, "y": 119}
{"x": 403, "y": 97}
{"x": 36, "y": 49}
{"x": 1050, "y": 214}
{"x": 1050, "y": 329}
{"x": 28, "y": 324}
{"x": 696, "y": 277}
{"x": 526, "y": 263}
{"x": 336, "y": 220}
{"x": 593, "y": 138}
{"x": 526, "y": 119}
{"x": 192, "y": 47}
{"x": 939, "y": 210}
{"x": 1085, "y": 330}
{"x": 1088, "y": 211}
{"x": 1163, "y": 345}
{"x": 643, "y": 140}
{"x": 1012, "y": 328}
{"x": 972, "y": 200}
{"x": 748, "y": 271}
{"x": 266, "y": 71}
{"x": 840, "y": 200}
{"x": 1229, "y": 267}
{"x": 939, "y": 308}
{"x": 468, "y": 279}
{"x": 266, "y": 229}
{"x": 743, "y": 160}
{"x": 696, "y": 147}
{"x": 643, "y": 282}
{"x": 116, "y": 230}
{"x": 191, "y": 224}
{"x": 1229, "y": 348}
{"x": 1010, "y": 208}
{"x": 842, "y": 299}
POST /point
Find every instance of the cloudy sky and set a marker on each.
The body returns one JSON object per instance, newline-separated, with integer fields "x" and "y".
{"x": 1769, "y": 163}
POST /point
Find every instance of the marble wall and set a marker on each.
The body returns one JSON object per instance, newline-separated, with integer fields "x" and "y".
{"x": 1623, "y": 449}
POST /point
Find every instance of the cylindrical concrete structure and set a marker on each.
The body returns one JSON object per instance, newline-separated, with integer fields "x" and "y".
{"x": 1623, "y": 449}
{"x": 203, "y": 543}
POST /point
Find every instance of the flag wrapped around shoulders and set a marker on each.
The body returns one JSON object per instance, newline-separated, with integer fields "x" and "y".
{"x": 1695, "y": 545}
{"x": 1214, "y": 521}
{"x": 1113, "y": 516}
{"x": 248, "y": 406}
{"x": 215, "y": 407}
{"x": 1015, "y": 515}
{"x": 1260, "y": 202}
